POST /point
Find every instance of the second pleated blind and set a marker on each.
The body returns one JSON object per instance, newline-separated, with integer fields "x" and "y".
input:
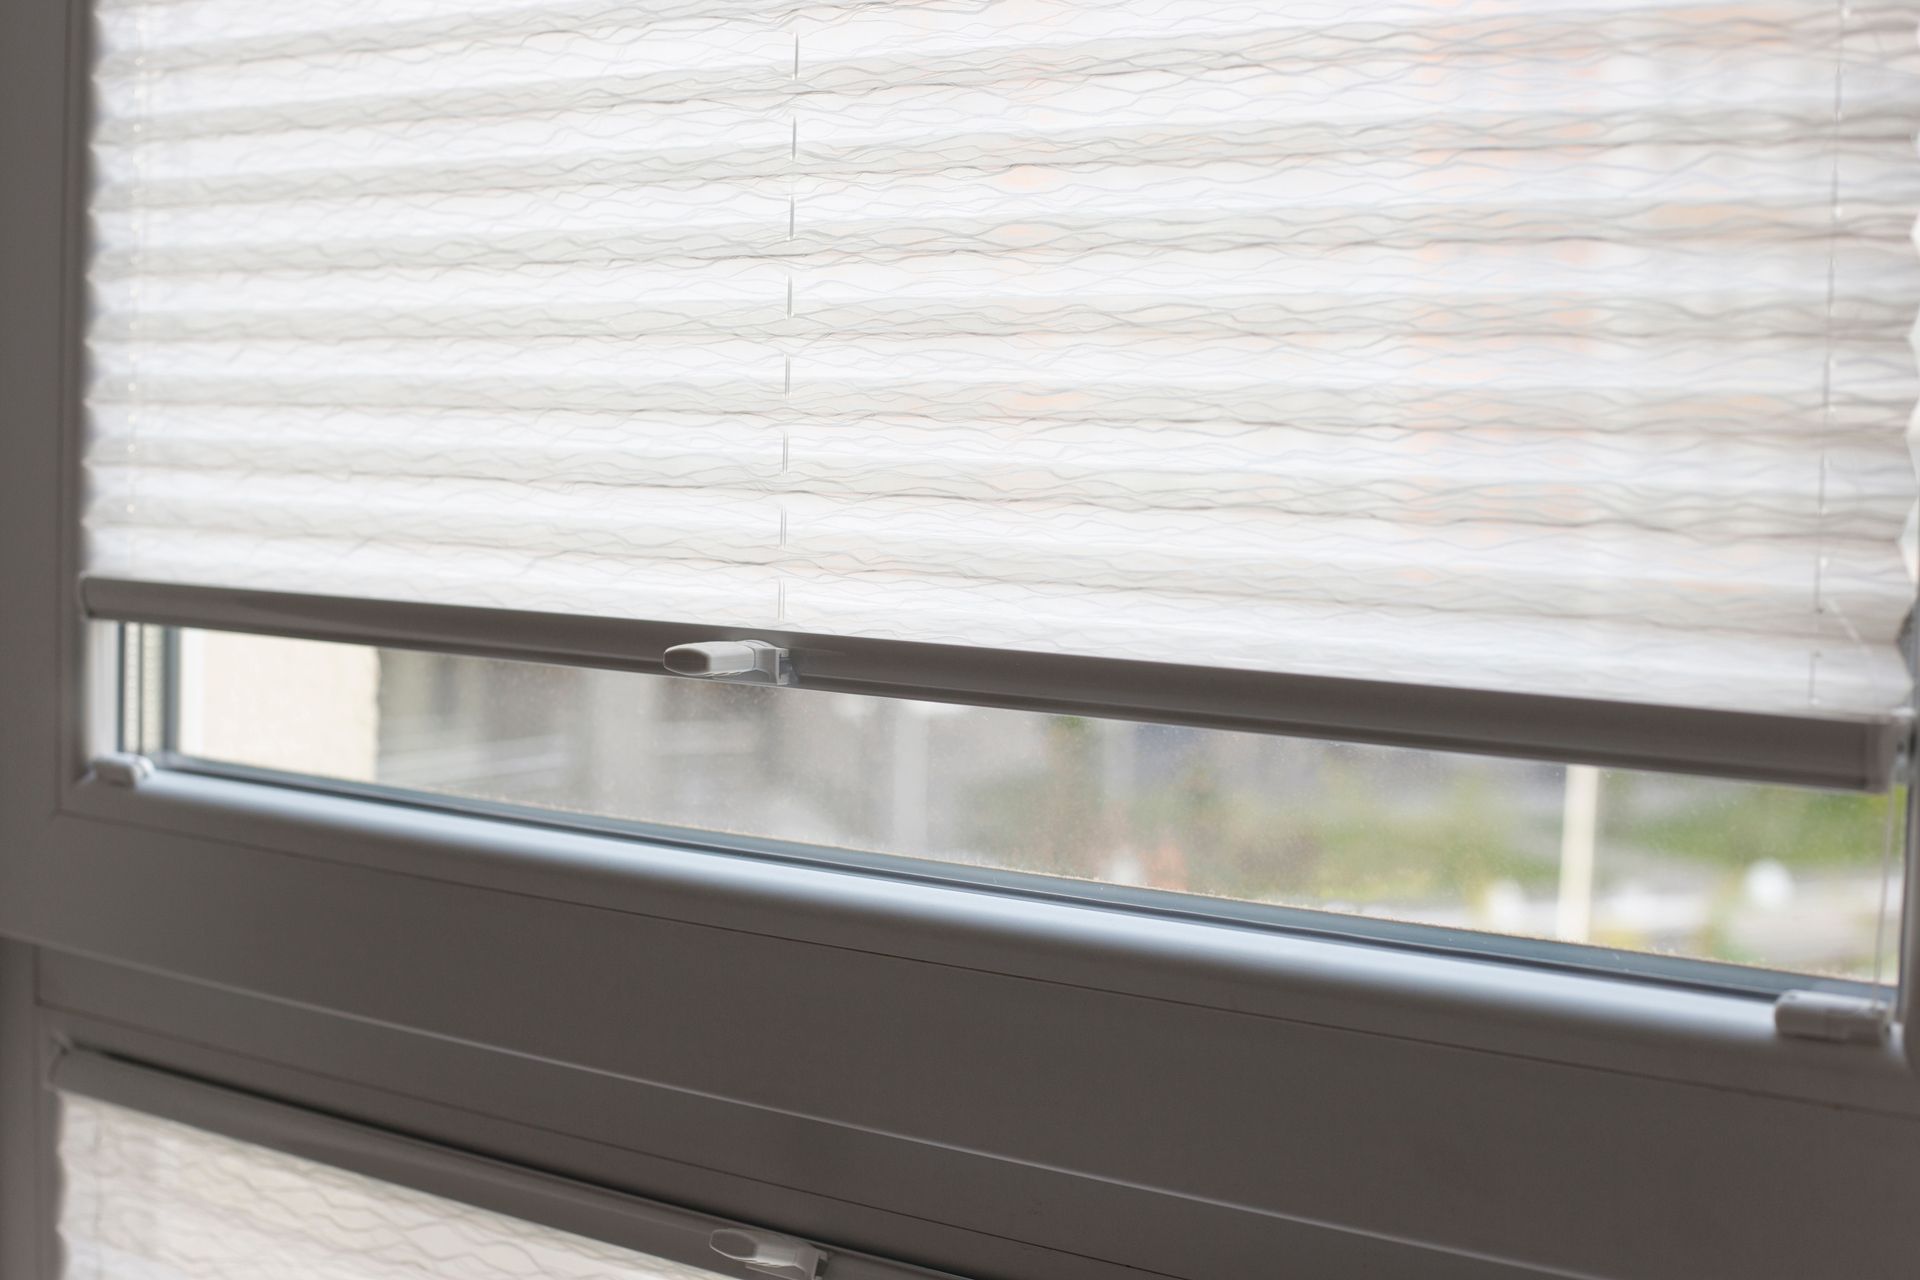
{"x": 1524, "y": 345}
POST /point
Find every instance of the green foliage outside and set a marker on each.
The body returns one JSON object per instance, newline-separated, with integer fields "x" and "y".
{"x": 1348, "y": 839}
{"x": 1735, "y": 825}
{"x": 1196, "y": 832}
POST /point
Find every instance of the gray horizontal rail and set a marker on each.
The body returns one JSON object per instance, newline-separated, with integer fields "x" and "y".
{"x": 1853, "y": 754}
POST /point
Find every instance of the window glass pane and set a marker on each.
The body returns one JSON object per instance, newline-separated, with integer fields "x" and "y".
{"x": 1775, "y": 876}
{"x": 148, "y": 1199}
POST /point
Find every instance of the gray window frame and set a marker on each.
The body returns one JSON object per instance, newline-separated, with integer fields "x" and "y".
{"x": 990, "y": 1085}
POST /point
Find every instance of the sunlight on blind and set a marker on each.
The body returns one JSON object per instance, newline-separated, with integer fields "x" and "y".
{"x": 148, "y": 1199}
{"x": 1518, "y": 344}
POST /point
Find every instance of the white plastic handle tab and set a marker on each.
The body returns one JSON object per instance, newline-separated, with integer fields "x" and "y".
{"x": 1828, "y": 1015}
{"x": 763, "y": 1251}
{"x": 747, "y": 661}
{"x": 123, "y": 769}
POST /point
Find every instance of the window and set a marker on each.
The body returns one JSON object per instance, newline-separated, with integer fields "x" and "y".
{"x": 1012, "y": 637}
{"x": 1523, "y": 380}
{"x": 1785, "y": 877}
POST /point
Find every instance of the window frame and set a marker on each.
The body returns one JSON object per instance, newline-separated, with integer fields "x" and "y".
{"x": 325, "y": 949}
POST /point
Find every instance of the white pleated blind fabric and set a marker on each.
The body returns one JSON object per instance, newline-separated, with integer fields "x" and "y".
{"x": 149, "y": 1199}
{"x": 1554, "y": 346}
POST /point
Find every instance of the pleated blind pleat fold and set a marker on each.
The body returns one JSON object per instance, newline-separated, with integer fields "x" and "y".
{"x": 1526, "y": 345}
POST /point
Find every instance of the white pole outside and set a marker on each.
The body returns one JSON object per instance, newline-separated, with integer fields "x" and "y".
{"x": 1579, "y": 828}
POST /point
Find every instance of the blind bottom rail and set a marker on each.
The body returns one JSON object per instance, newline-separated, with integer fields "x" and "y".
{"x": 1852, "y": 754}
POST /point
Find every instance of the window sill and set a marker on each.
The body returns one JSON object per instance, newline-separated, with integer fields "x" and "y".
{"x": 1634, "y": 1028}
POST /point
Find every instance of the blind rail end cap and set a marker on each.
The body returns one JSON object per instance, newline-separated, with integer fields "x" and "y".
{"x": 1832, "y": 1016}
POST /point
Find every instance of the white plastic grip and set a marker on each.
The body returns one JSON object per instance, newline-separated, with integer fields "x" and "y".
{"x": 1827, "y": 1015}
{"x": 746, "y": 661}
{"x": 123, "y": 769}
{"x": 764, "y": 1251}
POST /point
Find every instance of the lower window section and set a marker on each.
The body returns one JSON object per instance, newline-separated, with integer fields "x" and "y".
{"x": 149, "y": 1199}
{"x": 1779, "y": 877}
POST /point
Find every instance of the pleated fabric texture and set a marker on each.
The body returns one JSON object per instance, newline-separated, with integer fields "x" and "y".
{"x": 1524, "y": 345}
{"x": 149, "y": 1199}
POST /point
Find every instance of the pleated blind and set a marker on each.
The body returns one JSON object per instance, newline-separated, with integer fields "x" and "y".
{"x": 145, "y": 1198}
{"x": 1531, "y": 346}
